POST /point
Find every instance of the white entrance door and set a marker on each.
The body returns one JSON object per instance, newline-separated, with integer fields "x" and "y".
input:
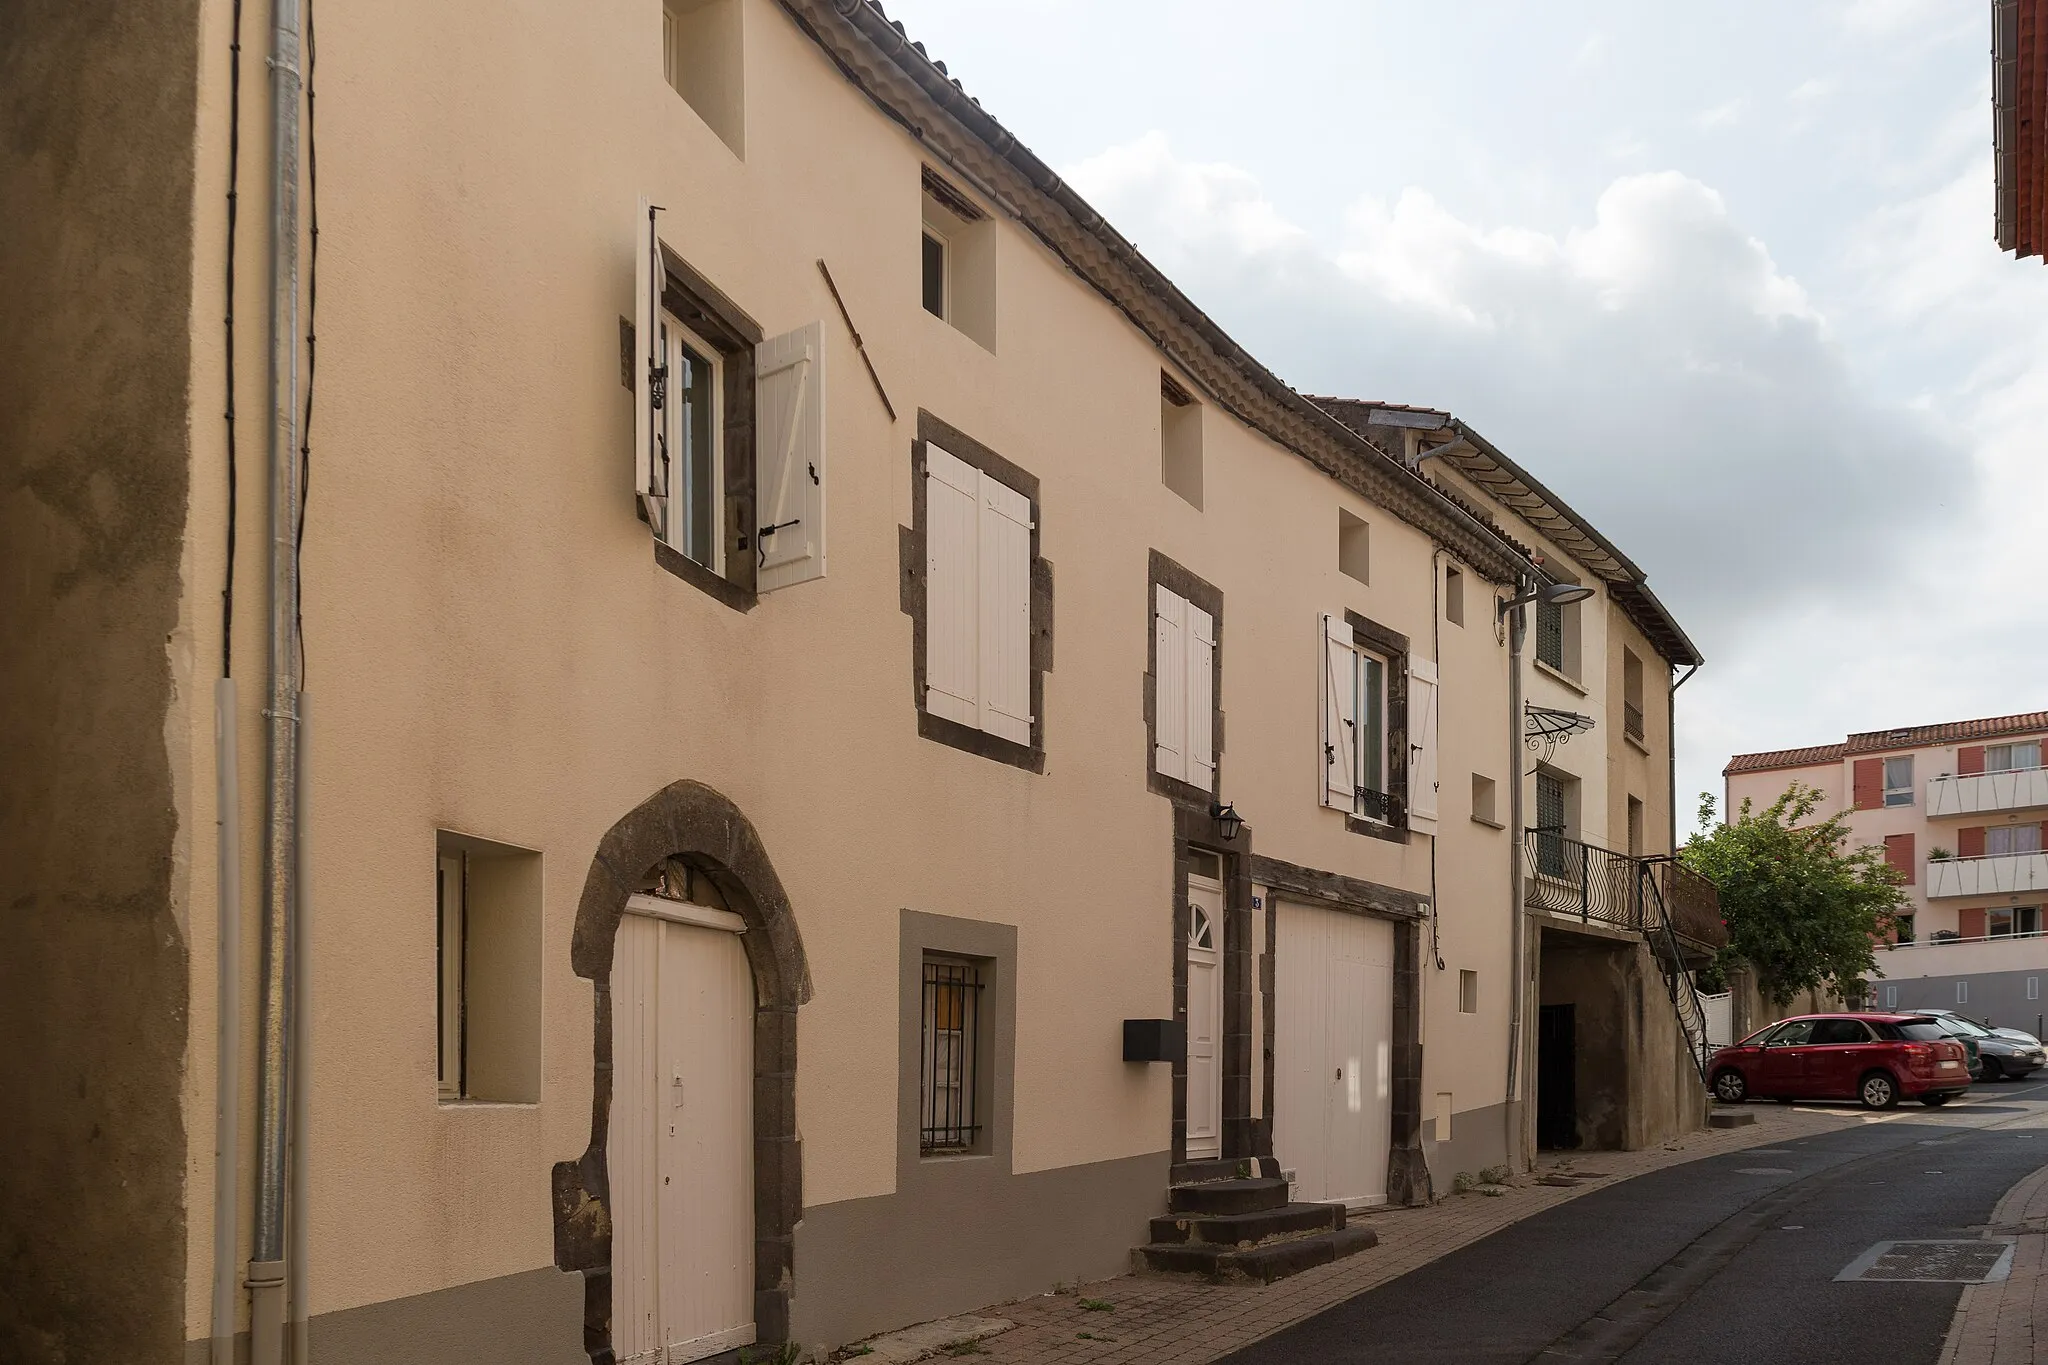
{"x": 1333, "y": 1053}
{"x": 1205, "y": 1019}
{"x": 680, "y": 1147}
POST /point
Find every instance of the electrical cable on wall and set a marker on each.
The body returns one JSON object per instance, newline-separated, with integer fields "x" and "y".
{"x": 227, "y": 591}
{"x": 312, "y": 306}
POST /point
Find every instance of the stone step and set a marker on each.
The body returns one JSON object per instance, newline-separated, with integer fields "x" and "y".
{"x": 1216, "y": 1197}
{"x": 1248, "y": 1229}
{"x": 1226, "y": 1168}
{"x": 1261, "y": 1264}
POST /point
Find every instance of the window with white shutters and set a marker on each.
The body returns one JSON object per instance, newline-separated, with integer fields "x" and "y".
{"x": 1423, "y": 694}
{"x": 789, "y": 456}
{"x": 1184, "y": 689}
{"x": 1370, "y": 748}
{"x": 977, "y": 598}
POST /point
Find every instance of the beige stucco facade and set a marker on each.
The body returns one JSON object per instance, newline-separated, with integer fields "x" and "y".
{"x": 497, "y": 658}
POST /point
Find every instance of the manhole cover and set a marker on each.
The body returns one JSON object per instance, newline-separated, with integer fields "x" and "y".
{"x": 1979, "y": 1261}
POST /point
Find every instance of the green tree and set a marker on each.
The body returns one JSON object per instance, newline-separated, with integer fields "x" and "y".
{"x": 1804, "y": 908}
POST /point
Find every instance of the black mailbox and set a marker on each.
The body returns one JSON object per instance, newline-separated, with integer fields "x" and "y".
{"x": 1152, "y": 1040}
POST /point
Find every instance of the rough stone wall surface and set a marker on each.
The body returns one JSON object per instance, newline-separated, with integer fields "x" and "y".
{"x": 97, "y": 104}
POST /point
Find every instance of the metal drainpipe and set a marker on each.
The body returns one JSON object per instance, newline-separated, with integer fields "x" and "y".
{"x": 227, "y": 1110}
{"x": 1520, "y": 951}
{"x": 301, "y": 1042}
{"x": 280, "y": 830}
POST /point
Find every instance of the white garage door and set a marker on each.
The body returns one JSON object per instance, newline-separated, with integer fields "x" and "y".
{"x": 1332, "y": 1053}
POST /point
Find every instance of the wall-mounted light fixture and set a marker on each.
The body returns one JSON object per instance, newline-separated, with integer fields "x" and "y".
{"x": 1228, "y": 821}
{"x": 1552, "y": 594}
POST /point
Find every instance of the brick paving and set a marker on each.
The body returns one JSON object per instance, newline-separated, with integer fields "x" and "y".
{"x": 1995, "y": 1323}
{"x": 1154, "y": 1320}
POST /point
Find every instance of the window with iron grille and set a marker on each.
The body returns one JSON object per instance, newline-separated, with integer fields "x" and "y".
{"x": 1550, "y": 825}
{"x": 1550, "y": 634}
{"x": 950, "y": 1059}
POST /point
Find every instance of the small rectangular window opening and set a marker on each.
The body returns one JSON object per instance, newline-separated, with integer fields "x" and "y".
{"x": 1354, "y": 547}
{"x": 487, "y": 904}
{"x": 1203, "y": 863}
{"x": 1483, "y": 800}
{"x": 2033, "y": 988}
{"x": 950, "y": 1060}
{"x": 934, "y": 274}
{"x": 1468, "y": 992}
{"x": 1962, "y": 992}
{"x": 1443, "y": 1115}
{"x": 1891, "y": 997}
{"x": 1180, "y": 440}
{"x": 1454, "y": 596}
{"x": 702, "y": 57}
{"x": 1631, "y": 695}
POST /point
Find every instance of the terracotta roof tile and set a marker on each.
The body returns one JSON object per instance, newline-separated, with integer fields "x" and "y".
{"x": 1918, "y": 736}
{"x": 1891, "y": 741}
{"x": 1784, "y": 758}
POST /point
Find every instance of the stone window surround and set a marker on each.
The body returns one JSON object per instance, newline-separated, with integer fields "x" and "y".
{"x": 1163, "y": 572}
{"x": 690, "y": 823}
{"x": 911, "y": 552}
{"x": 994, "y": 946}
{"x": 1393, "y": 646}
{"x": 706, "y": 310}
{"x": 1408, "y": 1180}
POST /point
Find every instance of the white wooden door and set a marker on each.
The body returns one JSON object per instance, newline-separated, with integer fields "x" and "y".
{"x": 1205, "y": 1019}
{"x": 1333, "y": 1053}
{"x": 680, "y": 1147}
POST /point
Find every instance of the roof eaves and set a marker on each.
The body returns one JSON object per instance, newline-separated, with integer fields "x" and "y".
{"x": 877, "y": 56}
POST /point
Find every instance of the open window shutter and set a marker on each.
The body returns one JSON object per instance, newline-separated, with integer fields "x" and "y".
{"x": 952, "y": 588}
{"x": 1169, "y": 683}
{"x": 1339, "y": 757}
{"x": 1969, "y": 760}
{"x": 1201, "y": 698}
{"x": 1005, "y": 611}
{"x": 1970, "y": 923}
{"x": 650, "y": 377}
{"x": 789, "y": 460}
{"x": 1970, "y": 841}
{"x": 1868, "y": 783}
{"x": 1898, "y": 855}
{"x": 1422, "y": 735}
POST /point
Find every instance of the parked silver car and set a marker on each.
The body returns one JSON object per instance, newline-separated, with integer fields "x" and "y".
{"x": 2007, "y": 1054}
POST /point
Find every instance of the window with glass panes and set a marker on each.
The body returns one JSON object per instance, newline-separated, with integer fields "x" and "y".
{"x": 691, "y": 436}
{"x": 1371, "y": 680}
{"x": 2005, "y": 758}
{"x": 949, "y": 1120}
{"x": 2002, "y": 841}
{"x": 1550, "y": 824}
{"x": 1898, "y": 781}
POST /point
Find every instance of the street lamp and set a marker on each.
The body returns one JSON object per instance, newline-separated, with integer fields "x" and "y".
{"x": 1550, "y": 595}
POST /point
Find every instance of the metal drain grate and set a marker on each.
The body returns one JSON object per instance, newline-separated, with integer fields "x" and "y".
{"x": 1977, "y": 1261}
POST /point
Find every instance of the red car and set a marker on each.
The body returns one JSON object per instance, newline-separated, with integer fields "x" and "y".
{"x": 1875, "y": 1058}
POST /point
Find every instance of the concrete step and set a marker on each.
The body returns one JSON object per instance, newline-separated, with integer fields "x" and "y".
{"x": 1248, "y": 1229}
{"x": 1226, "y": 1168}
{"x": 1216, "y": 1197}
{"x": 1261, "y": 1264}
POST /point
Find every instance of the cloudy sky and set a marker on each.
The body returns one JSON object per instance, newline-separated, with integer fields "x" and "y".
{"x": 1722, "y": 275}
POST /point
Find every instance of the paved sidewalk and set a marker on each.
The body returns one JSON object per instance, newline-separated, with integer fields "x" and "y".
{"x": 1148, "y": 1320}
{"x": 1995, "y": 1323}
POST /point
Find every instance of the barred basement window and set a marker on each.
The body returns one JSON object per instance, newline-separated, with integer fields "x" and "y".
{"x": 950, "y": 1065}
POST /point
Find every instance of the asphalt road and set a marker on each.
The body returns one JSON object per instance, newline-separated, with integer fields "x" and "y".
{"x": 1728, "y": 1259}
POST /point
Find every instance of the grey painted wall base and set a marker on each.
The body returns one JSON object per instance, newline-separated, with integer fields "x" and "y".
{"x": 2000, "y": 997}
{"x": 985, "y": 1236}
{"x": 1479, "y": 1138}
{"x": 532, "y": 1318}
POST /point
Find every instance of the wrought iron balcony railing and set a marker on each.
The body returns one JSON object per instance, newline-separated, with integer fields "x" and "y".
{"x": 1632, "y": 720}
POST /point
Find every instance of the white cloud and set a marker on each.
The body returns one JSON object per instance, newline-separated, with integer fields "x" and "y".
{"x": 1657, "y": 368}
{"x": 1723, "y": 115}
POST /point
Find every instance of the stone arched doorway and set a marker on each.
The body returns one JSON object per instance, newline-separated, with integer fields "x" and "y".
{"x": 689, "y": 825}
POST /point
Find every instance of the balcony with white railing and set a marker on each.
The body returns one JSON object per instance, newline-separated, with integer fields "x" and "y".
{"x": 1978, "y": 793}
{"x": 2001, "y": 874}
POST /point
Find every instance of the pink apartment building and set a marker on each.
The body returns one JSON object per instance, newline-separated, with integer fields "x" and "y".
{"x": 1961, "y": 809}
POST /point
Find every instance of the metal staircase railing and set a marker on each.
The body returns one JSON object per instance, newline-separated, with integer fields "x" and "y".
{"x": 1685, "y": 993}
{"x": 1659, "y": 898}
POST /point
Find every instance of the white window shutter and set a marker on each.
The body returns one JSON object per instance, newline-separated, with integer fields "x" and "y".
{"x": 1169, "y": 684}
{"x": 952, "y": 588}
{"x": 1005, "y": 611}
{"x": 789, "y": 460}
{"x": 1337, "y": 758}
{"x": 1422, "y": 744}
{"x": 1201, "y": 698}
{"x": 650, "y": 465}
